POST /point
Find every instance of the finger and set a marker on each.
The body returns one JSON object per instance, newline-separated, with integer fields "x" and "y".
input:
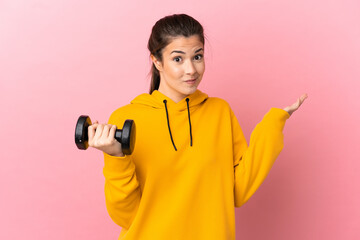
{"x": 99, "y": 130}
{"x": 112, "y": 131}
{"x": 106, "y": 130}
{"x": 91, "y": 131}
{"x": 295, "y": 105}
{"x": 303, "y": 97}
{"x": 298, "y": 103}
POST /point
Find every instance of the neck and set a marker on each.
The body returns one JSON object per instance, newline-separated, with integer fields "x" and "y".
{"x": 176, "y": 97}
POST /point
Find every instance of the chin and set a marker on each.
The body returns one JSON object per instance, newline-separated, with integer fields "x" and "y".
{"x": 190, "y": 91}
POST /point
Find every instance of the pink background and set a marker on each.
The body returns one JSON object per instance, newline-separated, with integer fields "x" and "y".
{"x": 61, "y": 59}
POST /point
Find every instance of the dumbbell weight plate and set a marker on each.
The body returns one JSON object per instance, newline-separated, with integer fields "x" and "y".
{"x": 128, "y": 137}
{"x": 81, "y": 132}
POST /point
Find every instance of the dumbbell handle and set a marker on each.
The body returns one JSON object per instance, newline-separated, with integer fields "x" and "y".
{"x": 118, "y": 134}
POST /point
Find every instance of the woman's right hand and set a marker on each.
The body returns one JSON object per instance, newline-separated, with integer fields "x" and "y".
{"x": 101, "y": 136}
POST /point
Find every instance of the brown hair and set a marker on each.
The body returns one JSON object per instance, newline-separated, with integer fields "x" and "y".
{"x": 163, "y": 31}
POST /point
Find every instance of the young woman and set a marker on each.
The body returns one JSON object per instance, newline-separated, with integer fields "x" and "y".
{"x": 191, "y": 164}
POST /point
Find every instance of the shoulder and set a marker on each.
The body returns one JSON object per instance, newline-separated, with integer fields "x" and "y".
{"x": 120, "y": 114}
{"x": 218, "y": 102}
{"x": 217, "y": 106}
{"x": 124, "y": 112}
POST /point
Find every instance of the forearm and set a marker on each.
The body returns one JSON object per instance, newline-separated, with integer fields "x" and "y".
{"x": 266, "y": 143}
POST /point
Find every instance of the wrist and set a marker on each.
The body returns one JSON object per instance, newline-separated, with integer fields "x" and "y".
{"x": 114, "y": 153}
{"x": 288, "y": 110}
{"x": 119, "y": 155}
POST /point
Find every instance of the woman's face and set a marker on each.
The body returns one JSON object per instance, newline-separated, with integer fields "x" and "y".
{"x": 182, "y": 67}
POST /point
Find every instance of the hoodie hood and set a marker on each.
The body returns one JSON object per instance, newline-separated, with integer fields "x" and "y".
{"x": 156, "y": 100}
{"x": 160, "y": 101}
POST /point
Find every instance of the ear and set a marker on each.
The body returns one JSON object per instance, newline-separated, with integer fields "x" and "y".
{"x": 156, "y": 62}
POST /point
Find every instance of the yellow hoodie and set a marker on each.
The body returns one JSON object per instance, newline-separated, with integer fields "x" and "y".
{"x": 190, "y": 168}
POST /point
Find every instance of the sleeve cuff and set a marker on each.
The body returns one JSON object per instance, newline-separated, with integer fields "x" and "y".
{"x": 278, "y": 114}
{"x": 276, "y": 117}
{"x": 118, "y": 164}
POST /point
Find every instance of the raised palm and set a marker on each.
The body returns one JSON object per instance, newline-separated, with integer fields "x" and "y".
{"x": 292, "y": 108}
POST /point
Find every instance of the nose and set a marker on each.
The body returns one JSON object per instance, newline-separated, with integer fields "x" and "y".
{"x": 190, "y": 68}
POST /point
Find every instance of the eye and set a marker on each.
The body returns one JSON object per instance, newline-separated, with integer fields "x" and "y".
{"x": 177, "y": 59}
{"x": 198, "y": 57}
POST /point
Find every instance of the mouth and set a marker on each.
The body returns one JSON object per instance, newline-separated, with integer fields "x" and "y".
{"x": 191, "y": 81}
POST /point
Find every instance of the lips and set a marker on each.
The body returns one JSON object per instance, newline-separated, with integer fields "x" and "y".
{"x": 191, "y": 80}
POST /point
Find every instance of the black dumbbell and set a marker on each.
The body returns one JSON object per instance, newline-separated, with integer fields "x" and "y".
{"x": 126, "y": 135}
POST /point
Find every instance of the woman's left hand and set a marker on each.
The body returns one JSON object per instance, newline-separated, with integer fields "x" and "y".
{"x": 292, "y": 108}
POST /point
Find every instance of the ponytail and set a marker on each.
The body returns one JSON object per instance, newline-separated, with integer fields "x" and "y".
{"x": 155, "y": 79}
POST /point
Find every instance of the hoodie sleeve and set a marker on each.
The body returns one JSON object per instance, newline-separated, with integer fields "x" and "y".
{"x": 253, "y": 163}
{"x": 122, "y": 191}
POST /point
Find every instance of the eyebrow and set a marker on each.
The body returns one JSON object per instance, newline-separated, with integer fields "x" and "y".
{"x": 177, "y": 51}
